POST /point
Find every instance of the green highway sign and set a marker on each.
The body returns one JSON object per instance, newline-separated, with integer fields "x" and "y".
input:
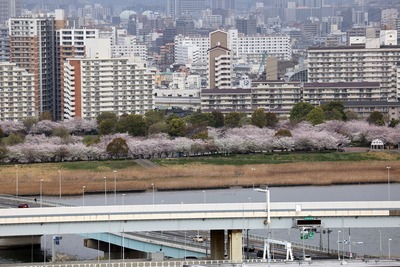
{"x": 309, "y": 218}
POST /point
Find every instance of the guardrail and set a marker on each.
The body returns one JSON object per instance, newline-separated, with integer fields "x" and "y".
{"x": 32, "y": 201}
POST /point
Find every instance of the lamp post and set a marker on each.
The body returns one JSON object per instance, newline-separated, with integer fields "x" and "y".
{"x": 388, "y": 169}
{"x": 41, "y": 181}
{"x": 16, "y": 180}
{"x": 83, "y": 195}
{"x": 338, "y": 244}
{"x": 380, "y": 243}
{"x": 123, "y": 200}
{"x": 204, "y": 196}
{"x": 249, "y": 199}
{"x": 152, "y": 185}
{"x": 389, "y": 246}
{"x": 105, "y": 190}
{"x": 115, "y": 187}
{"x": 59, "y": 178}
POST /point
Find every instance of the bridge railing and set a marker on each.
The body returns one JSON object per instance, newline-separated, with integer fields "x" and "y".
{"x": 34, "y": 200}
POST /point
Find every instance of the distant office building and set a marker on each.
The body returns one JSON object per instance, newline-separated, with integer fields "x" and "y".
{"x": 176, "y": 8}
{"x": 185, "y": 25}
{"x": 223, "y": 4}
{"x": 247, "y": 26}
{"x": 17, "y": 94}
{"x": 96, "y": 85}
{"x": 32, "y": 47}
{"x": 9, "y": 9}
{"x": 186, "y": 53}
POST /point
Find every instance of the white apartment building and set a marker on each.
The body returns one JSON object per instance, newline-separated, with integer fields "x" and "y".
{"x": 375, "y": 61}
{"x": 127, "y": 46}
{"x": 17, "y": 93}
{"x": 249, "y": 47}
{"x": 96, "y": 85}
{"x": 273, "y": 96}
{"x": 71, "y": 43}
{"x": 186, "y": 53}
{"x": 317, "y": 93}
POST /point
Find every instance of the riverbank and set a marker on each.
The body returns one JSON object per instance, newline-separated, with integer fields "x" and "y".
{"x": 197, "y": 173}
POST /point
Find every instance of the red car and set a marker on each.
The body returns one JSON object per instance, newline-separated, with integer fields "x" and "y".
{"x": 23, "y": 205}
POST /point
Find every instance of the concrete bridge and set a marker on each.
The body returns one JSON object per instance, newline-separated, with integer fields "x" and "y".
{"x": 213, "y": 217}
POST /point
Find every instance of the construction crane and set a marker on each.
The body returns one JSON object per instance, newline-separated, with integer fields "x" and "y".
{"x": 261, "y": 68}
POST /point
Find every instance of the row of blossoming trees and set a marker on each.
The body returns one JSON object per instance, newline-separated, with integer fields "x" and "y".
{"x": 39, "y": 147}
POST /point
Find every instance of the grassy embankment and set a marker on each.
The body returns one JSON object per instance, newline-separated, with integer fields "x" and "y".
{"x": 203, "y": 172}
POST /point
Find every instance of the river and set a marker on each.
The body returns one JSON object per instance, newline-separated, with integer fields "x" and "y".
{"x": 366, "y": 241}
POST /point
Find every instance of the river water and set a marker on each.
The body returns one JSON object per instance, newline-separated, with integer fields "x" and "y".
{"x": 366, "y": 241}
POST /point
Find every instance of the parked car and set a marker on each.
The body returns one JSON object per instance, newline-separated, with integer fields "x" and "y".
{"x": 23, "y": 205}
{"x": 198, "y": 238}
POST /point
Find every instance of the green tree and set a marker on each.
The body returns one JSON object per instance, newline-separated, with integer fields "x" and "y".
{"x": 232, "y": 120}
{"x": 14, "y": 139}
{"x": 45, "y": 116}
{"x": 3, "y": 152}
{"x": 154, "y": 116}
{"x": 202, "y": 118}
{"x": 258, "y": 118}
{"x": 106, "y": 116}
{"x": 107, "y": 127}
{"x": 2, "y": 134}
{"x": 118, "y": 148}
{"x": 271, "y": 120}
{"x": 376, "y": 118}
{"x": 133, "y": 124}
{"x": 283, "y": 133}
{"x": 61, "y": 132}
{"x": 170, "y": 117}
{"x": 393, "y": 122}
{"x": 351, "y": 115}
{"x": 334, "y": 110}
{"x": 177, "y": 127}
{"x": 29, "y": 122}
{"x": 159, "y": 127}
{"x": 316, "y": 116}
{"x": 218, "y": 118}
{"x": 299, "y": 111}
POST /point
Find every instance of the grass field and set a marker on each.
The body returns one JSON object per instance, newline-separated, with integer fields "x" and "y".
{"x": 201, "y": 172}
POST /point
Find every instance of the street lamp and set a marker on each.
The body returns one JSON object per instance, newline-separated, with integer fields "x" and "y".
{"x": 152, "y": 184}
{"x": 115, "y": 187}
{"x": 388, "y": 168}
{"x": 338, "y": 244}
{"x": 83, "y": 195}
{"x": 123, "y": 200}
{"x": 41, "y": 181}
{"x": 105, "y": 190}
{"x": 16, "y": 180}
{"x": 249, "y": 199}
{"x": 204, "y": 196}
{"x": 380, "y": 243}
{"x": 59, "y": 177}
{"x": 389, "y": 246}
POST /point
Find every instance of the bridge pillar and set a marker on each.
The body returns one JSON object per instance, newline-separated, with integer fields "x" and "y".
{"x": 235, "y": 245}
{"x": 217, "y": 244}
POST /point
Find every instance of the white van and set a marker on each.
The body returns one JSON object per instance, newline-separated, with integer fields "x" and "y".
{"x": 198, "y": 238}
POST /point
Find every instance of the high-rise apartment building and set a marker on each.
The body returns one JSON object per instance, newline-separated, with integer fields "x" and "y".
{"x": 32, "y": 47}
{"x": 17, "y": 94}
{"x": 219, "y": 61}
{"x": 223, "y": 4}
{"x": 9, "y": 9}
{"x": 70, "y": 44}
{"x": 4, "y": 44}
{"x": 96, "y": 85}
